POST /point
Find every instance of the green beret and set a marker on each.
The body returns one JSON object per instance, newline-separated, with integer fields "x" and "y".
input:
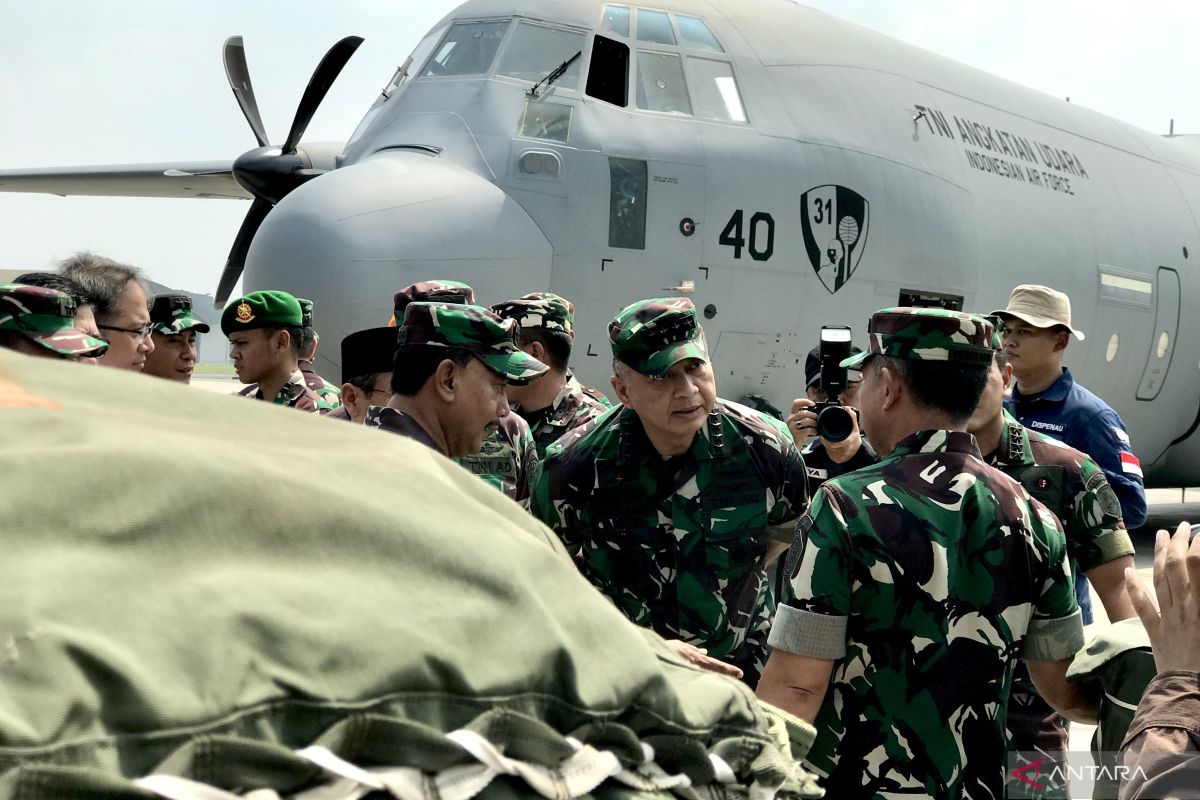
{"x": 270, "y": 309}
{"x": 928, "y": 334}
{"x": 651, "y": 336}
{"x": 475, "y": 329}
{"x": 306, "y": 312}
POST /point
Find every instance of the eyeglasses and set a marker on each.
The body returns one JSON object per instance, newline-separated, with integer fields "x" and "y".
{"x": 139, "y": 334}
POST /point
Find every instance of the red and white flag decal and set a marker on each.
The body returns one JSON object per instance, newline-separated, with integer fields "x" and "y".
{"x": 1130, "y": 464}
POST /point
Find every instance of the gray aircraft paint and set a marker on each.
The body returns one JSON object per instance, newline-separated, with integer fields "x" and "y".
{"x": 969, "y": 184}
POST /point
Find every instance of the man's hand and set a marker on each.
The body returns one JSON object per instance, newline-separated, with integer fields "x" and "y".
{"x": 699, "y": 657}
{"x": 802, "y": 423}
{"x": 1174, "y": 626}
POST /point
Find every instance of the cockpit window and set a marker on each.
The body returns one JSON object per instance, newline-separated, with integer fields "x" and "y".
{"x": 469, "y": 48}
{"x": 654, "y": 27}
{"x": 714, "y": 91}
{"x": 660, "y": 85}
{"x": 696, "y": 35}
{"x": 535, "y": 50}
{"x": 615, "y": 21}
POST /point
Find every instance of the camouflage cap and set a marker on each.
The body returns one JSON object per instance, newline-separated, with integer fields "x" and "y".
{"x": 474, "y": 329}
{"x": 540, "y": 310}
{"x": 306, "y": 312}
{"x": 927, "y": 334}
{"x": 430, "y": 292}
{"x": 47, "y": 317}
{"x": 171, "y": 314}
{"x": 654, "y": 335}
{"x": 270, "y": 309}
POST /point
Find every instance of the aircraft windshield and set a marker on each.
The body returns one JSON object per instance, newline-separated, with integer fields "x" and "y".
{"x": 469, "y": 48}
{"x": 535, "y": 50}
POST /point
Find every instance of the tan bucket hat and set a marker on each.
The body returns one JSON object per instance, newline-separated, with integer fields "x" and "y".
{"x": 1040, "y": 306}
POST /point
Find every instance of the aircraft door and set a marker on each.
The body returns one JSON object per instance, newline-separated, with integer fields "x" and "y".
{"x": 1162, "y": 343}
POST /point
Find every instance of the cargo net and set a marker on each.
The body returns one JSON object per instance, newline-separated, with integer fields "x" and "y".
{"x": 500, "y": 745}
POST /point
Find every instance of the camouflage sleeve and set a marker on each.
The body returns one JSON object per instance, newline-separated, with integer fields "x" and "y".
{"x": 813, "y": 621}
{"x": 789, "y": 490}
{"x": 556, "y": 513}
{"x": 1056, "y": 624}
{"x": 1098, "y": 534}
{"x": 528, "y": 467}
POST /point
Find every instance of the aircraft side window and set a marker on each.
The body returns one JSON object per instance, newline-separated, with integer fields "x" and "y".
{"x": 546, "y": 121}
{"x": 654, "y": 27}
{"x": 660, "y": 85}
{"x": 627, "y": 203}
{"x": 695, "y": 34}
{"x": 615, "y": 20}
{"x": 714, "y": 91}
{"x": 414, "y": 62}
{"x": 469, "y": 48}
{"x": 608, "y": 75}
{"x": 536, "y": 50}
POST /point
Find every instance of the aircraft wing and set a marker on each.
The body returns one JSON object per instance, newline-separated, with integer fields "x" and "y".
{"x": 202, "y": 179}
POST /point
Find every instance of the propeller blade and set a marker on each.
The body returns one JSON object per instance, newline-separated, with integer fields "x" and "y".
{"x": 323, "y": 77}
{"x": 236, "y": 261}
{"x": 239, "y": 80}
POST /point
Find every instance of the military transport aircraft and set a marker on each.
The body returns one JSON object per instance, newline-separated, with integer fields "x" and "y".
{"x": 781, "y": 167}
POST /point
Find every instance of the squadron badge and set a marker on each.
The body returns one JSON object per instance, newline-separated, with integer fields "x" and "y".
{"x": 245, "y": 313}
{"x": 834, "y": 220}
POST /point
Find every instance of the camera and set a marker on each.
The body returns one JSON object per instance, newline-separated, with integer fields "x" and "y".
{"x": 834, "y": 421}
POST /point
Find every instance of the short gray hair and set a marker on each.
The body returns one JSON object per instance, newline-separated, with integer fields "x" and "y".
{"x": 102, "y": 279}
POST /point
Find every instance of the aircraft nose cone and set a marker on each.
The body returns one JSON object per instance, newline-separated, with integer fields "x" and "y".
{"x": 350, "y": 239}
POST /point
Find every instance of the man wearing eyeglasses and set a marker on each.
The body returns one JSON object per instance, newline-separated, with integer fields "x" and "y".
{"x": 122, "y": 308}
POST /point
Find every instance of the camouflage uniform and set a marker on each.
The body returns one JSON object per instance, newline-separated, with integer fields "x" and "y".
{"x": 923, "y": 578}
{"x": 679, "y": 544}
{"x": 329, "y": 397}
{"x": 1074, "y": 488}
{"x": 270, "y": 309}
{"x": 575, "y": 404}
{"x": 396, "y": 421}
{"x": 508, "y": 459}
{"x": 46, "y": 317}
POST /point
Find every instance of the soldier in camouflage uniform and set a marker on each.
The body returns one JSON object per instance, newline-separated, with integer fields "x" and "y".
{"x": 508, "y": 458}
{"x": 557, "y": 402}
{"x": 453, "y": 363}
{"x": 1074, "y": 488}
{"x": 329, "y": 397}
{"x": 675, "y": 503}
{"x": 264, "y": 330}
{"x": 174, "y": 330}
{"x": 41, "y": 322}
{"x": 921, "y": 581}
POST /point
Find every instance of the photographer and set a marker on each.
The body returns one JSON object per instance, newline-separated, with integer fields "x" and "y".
{"x": 835, "y": 445}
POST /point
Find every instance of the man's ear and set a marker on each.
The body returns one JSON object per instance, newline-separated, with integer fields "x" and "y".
{"x": 622, "y": 389}
{"x": 350, "y": 394}
{"x": 445, "y": 380}
{"x": 1061, "y": 341}
{"x": 1006, "y": 375}
{"x": 282, "y": 340}
{"x": 537, "y": 350}
{"x": 892, "y": 385}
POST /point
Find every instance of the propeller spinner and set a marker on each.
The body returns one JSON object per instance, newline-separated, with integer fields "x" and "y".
{"x": 270, "y": 173}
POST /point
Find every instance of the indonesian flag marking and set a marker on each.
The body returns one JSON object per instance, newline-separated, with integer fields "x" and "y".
{"x": 1130, "y": 464}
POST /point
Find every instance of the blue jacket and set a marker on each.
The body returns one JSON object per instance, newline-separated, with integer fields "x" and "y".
{"x": 1072, "y": 414}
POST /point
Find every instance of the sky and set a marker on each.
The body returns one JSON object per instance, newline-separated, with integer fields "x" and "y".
{"x": 126, "y": 81}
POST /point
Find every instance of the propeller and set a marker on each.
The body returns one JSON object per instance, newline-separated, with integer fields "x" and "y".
{"x": 270, "y": 173}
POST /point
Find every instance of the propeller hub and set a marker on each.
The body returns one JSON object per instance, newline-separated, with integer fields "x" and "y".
{"x": 269, "y": 174}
